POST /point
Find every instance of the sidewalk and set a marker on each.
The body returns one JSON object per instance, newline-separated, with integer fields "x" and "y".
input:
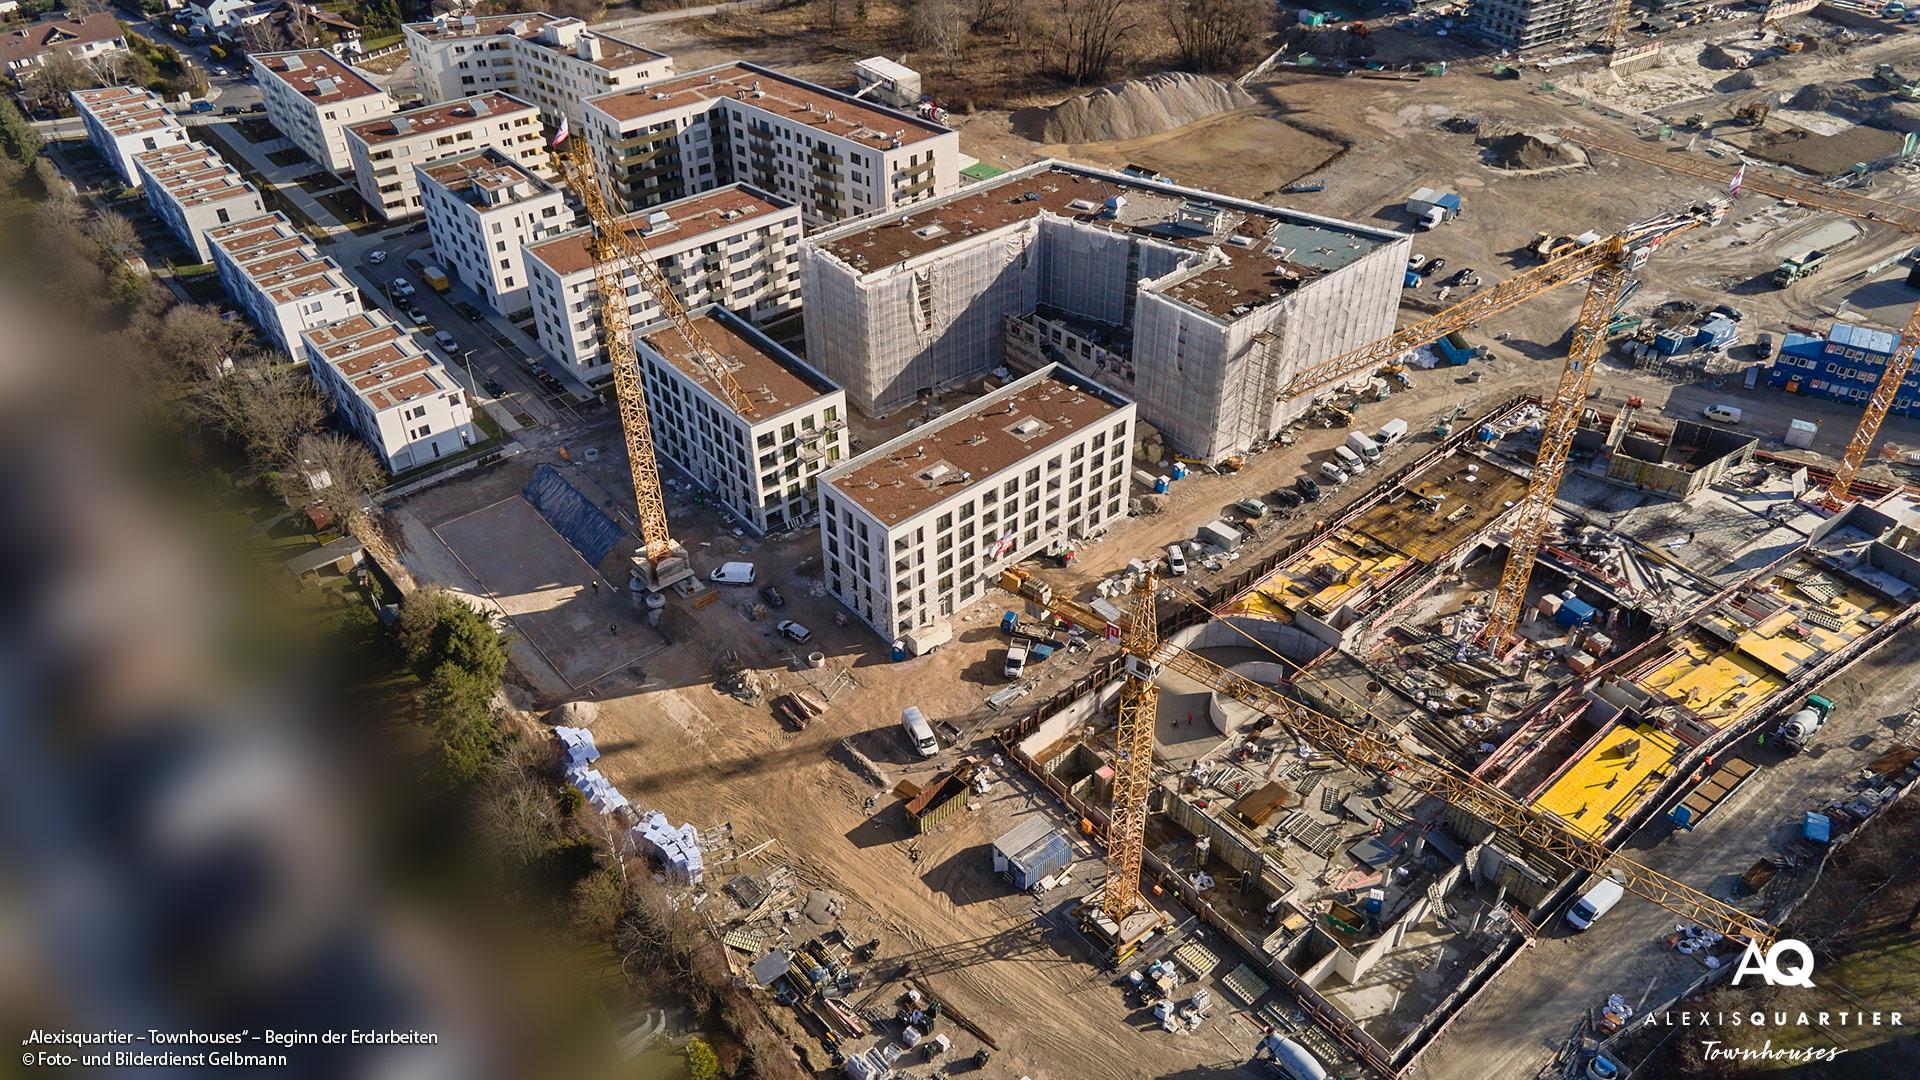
{"x": 279, "y": 177}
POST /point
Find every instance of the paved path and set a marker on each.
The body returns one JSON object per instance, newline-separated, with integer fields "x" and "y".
{"x": 279, "y": 177}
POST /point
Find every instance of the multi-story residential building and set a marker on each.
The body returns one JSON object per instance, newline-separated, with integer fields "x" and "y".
{"x": 482, "y": 210}
{"x": 312, "y": 97}
{"x": 762, "y": 467}
{"x": 193, "y": 190}
{"x": 918, "y": 527}
{"x": 834, "y": 155}
{"x": 283, "y": 283}
{"x": 399, "y": 399}
{"x": 1200, "y": 307}
{"x": 1529, "y": 24}
{"x": 1845, "y": 365}
{"x": 384, "y": 151}
{"x": 735, "y": 248}
{"x": 122, "y": 121}
{"x": 554, "y": 62}
{"x": 88, "y": 38}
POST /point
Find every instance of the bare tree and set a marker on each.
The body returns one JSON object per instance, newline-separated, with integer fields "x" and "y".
{"x": 58, "y": 220}
{"x": 267, "y": 407}
{"x": 1087, "y": 35}
{"x": 997, "y": 16}
{"x": 190, "y": 344}
{"x": 350, "y": 470}
{"x": 938, "y": 26}
{"x": 60, "y": 73}
{"x": 261, "y": 35}
{"x": 116, "y": 236}
{"x": 1213, "y": 34}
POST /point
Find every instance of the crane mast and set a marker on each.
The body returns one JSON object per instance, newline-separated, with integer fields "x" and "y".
{"x": 1133, "y": 773}
{"x": 1884, "y": 393}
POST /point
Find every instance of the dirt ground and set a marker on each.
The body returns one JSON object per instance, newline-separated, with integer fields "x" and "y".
{"x": 1245, "y": 153}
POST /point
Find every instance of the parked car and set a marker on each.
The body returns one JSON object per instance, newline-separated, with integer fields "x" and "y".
{"x": 233, "y": 110}
{"x": 493, "y": 387}
{"x": 794, "y": 630}
{"x": 446, "y": 341}
{"x": 1251, "y": 507}
{"x": 258, "y": 106}
{"x": 375, "y": 258}
{"x": 1763, "y": 346}
{"x": 472, "y": 313}
{"x": 1432, "y": 267}
{"x": 1308, "y": 490}
{"x": 1460, "y": 276}
{"x": 1416, "y": 261}
{"x": 772, "y": 596}
{"x": 417, "y": 317}
{"x": 416, "y": 261}
{"x": 201, "y": 107}
{"x": 1284, "y": 498}
{"x": 400, "y": 287}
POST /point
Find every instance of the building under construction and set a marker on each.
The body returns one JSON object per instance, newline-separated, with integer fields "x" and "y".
{"x": 1689, "y": 592}
{"x": 1197, "y": 306}
{"x": 1530, "y": 24}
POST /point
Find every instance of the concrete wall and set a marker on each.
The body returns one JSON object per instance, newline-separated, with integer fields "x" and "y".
{"x": 1224, "y": 633}
{"x": 1056, "y": 727}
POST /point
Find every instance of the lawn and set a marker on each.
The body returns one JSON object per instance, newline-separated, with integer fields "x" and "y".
{"x": 204, "y": 289}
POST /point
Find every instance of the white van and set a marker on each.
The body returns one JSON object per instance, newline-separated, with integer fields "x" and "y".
{"x": 733, "y": 573}
{"x": 1597, "y": 902}
{"x": 919, "y": 732}
{"x": 1176, "y": 560}
{"x": 1349, "y": 460}
{"x": 1391, "y": 432}
{"x": 1726, "y": 414}
{"x": 1334, "y": 473}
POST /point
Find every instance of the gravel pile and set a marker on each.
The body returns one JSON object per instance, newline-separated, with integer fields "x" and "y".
{"x": 1132, "y": 109}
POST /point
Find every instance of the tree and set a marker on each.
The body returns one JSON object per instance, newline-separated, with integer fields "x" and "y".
{"x": 116, "y": 237}
{"x": 351, "y": 475}
{"x": 599, "y": 899}
{"x": 702, "y": 1064}
{"x": 21, "y": 141}
{"x": 191, "y": 343}
{"x": 460, "y": 704}
{"x": 1087, "y": 35}
{"x": 1212, "y": 34}
{"x": 937, "y": 26}
{"x": 266, "y": 407}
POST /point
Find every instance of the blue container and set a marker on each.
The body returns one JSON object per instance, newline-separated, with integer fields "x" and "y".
{"x": 1818, "y": 827}
{"x": 1488, "y": 435}
{"x": 1161, "y": 484}
{"x": 899, "y": 650}
{"x": 1179, "y": 471}
{"x": 1575, "y": 612}
{"x": 1008, "y": 621}
{"x": 1411, "y": 281}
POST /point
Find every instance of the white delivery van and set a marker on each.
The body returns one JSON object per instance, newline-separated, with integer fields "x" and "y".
{"x": 1176, "y": 560}
{"x": 919, "y": 732}
{"x": 1596, "y": 902}
{"x": 1334, "y": 473}
{"x": 1349, "y": 460}
{"x": 1726, "y": 414}
{"x": 733, "y": 573}
{"x": 1360, "y": 444}
{"x": 1391, "y": 432}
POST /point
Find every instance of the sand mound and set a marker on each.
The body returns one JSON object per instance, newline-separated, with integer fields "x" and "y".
{"x": 576, "y": 714}
{"x": 1715, "y": 58}
{"x": 1739, "y": 80}
{"x": 1132, "y": 109}
{"x": 1811, "y": 97}
{"x": 1523, "y": 151}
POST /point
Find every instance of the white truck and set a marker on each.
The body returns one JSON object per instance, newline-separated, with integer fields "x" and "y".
{"x": 1017, "y": 657}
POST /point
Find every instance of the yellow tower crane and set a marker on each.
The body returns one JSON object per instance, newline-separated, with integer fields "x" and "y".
{"x": 616, "y": 252}
{"x": 1369, "y": 747}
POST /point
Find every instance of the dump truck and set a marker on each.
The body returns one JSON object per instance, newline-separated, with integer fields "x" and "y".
{"x": 1902, "y": 86}
{"x": 1797, "y": 731}
{"x": 1793, "y": 270}
{"x": 1713, "y": 791}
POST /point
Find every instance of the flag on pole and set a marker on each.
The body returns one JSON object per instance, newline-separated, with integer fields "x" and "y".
{"x": 1739, "y": 175}
{"x": 559, "y": 136}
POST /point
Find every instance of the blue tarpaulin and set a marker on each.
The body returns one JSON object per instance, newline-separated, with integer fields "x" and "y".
{"x": 584, "y": 525}
{"x": 1818, "y": 827}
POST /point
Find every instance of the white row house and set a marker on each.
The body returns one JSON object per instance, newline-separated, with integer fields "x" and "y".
{"x": 277, "y": 276}
{"x": 193, "y": 190}
{"x": 395, "y": 396}
{"x": 125, "y": 121}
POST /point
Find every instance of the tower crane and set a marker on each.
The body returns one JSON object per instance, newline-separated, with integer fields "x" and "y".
{"x": 662, "y": 561}
{"x": 1806, "y": 193}
{"x": 1367, "y": 747}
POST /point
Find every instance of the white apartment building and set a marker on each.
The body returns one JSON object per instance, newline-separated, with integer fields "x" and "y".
{"x": 193, "y": 190}
{"x": 734, "y": 248}
{"x": 833, "y": 154}
{"x": 762, "y": 467}
{"x": 311, "y": 97}
{"x": 1201, "y": 307}
{"x": 554, "y": 62}
{"x": 123, "y": 121}
{"x": 384, "y": 151}
{"x": 396, "y": 397}
{"x": 917, "y": 528}
{"x": 483, "y": 209}
{"x": 283, "y": 283}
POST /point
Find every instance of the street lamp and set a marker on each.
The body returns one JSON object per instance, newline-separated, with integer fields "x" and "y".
{"x": 466, "y": 357}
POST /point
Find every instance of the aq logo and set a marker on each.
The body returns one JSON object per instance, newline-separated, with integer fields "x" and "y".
{"x": 1768, "y": 965}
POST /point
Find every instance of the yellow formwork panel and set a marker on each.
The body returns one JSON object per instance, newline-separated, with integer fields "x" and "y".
{"x": 1322, "y": 578}
{"x": 1719, "y": 685}
{"x": 1605, "y": 784}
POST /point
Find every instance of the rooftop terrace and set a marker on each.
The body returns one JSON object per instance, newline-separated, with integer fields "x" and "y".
{"x": 317, "y": 74}
{"x": 443, "y": 117}
{"x": 793, "y": 100}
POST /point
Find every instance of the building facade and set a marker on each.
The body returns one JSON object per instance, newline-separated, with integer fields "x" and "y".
{"x": 1529, "y": 24}
{"x": 734, "y": 248}
{"x": 555, "y": 63}
{"x": 1845, "y": 365}
{"x": 194, "y": 190}
{"x": 124, "y": 121}
{"x": 482, "y": 211}
{"x": 385, "y": 151}
{"x": 917, "y": 528}
{"x": 832, "y": 154}
{"x": 1198, "y": 306}
{"x": 763, "y": 466}
{"x": 277, "y": 276}
{"x": 396, "y": 397}
{"x": 88, "y": 38}
{"x": 312, "y": 97}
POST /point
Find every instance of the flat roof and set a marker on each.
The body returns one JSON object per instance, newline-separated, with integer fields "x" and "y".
{"x": 769, "y": 375}
{"x": 318, "y": 75}
{"x": 791, "y": 99}
{"x": 192, "y": 174}
{"x": 445, "y": 116}
{"x": 378, "y": 359}
{"x": 949, "y": 456}
{"x": 617, "y": 52}
{"x": 732, "y": 207}
{"x": 278, "y": 259}
{"x": 474, "y": 174}
{"x": 127, "y": 110}
{"x": 1263, "y": 251}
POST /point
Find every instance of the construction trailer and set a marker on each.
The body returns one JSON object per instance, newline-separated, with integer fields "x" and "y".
{"x": 1429, "y": 207}
{"x": 887, "y": 82}
{"x": 1030, "y": 852}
